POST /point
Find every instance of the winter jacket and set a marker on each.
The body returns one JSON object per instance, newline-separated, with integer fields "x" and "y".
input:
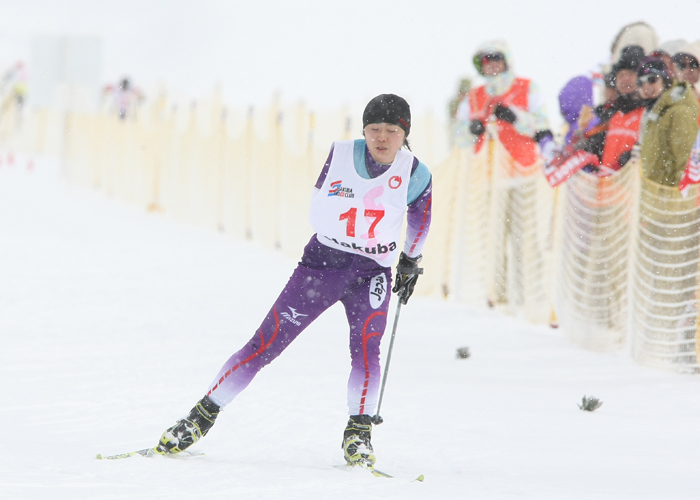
{"x": 529, "y": 106}
{"x": 623, "y": 132}
{"x": 521, "y": 147}
{"x": 668, "y": 132}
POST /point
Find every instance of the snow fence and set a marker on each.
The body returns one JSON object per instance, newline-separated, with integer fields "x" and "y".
{"x": 456, "y": 252}
{"x": 493, "y": 239}
{"x": 521, "y": 237}
{"x": 665, "y": 278}
{"x": 491, "y": 234}
{"x": 595, "y": 225}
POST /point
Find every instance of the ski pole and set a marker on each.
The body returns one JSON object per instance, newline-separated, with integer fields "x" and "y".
{"x": 376, "y": 419}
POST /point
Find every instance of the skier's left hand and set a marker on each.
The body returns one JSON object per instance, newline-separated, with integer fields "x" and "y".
{"x": 407, "y": 272}
{"x": 504, "y": 113}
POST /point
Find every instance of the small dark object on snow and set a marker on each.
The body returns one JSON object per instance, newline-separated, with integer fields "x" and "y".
{"x": 463, "y": 353}
{"x": 590, "y": 404}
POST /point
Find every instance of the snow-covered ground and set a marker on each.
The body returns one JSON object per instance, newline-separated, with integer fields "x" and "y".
{"x": 113, "y": 321}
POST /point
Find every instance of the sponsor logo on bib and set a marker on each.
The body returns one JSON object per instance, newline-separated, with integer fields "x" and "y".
{"x": 377, "y": 291}
{"x": 373, "y": 250}
{"x": 337, "y": 189}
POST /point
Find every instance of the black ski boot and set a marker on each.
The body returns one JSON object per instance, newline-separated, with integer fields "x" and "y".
{"x": 191, "y": 429}
{"x": 357, "y": 441}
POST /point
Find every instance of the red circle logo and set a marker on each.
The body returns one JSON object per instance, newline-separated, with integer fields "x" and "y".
{"x": 395, "y": 182}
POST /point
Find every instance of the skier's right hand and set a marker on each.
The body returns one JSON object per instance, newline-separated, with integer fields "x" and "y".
{"x": 477, "y": 128}
{"x": 407, "y": 272}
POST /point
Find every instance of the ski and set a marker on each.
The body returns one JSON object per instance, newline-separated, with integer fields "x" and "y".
{"x": 147, "y": 452}
{"x": 379, "y": 473}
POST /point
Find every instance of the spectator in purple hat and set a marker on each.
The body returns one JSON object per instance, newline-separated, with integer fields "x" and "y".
{"x": 575, "y": 100}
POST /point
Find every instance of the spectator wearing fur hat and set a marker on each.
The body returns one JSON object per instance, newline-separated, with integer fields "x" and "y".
{"x": 669, "y": 126}
{"x": 638, "y": 34}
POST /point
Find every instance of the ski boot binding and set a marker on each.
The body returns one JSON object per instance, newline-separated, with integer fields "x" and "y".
{"x": 357, "y": 441}
{"x": 189, "y": 430}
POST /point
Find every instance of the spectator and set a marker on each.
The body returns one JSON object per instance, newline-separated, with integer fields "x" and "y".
{"x": 585, "y": 127}
{"x": 513, "y": 103}
{"x": 669, "y": 126}
{"x": 639, "y": 34}
{"x": 665, "y": 52}
{"x": 576, "y": 106}
{"x": 623, "y": 128}
{"x": 688, "y": 67}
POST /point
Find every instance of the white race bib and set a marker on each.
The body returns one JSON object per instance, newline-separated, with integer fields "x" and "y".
{"x": 362, "y": 216}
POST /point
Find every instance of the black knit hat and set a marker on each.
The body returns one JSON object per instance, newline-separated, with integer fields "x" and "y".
{"x": 654, "y": 66}
{"x": 630, "y": 58}
{"x": 388, "y": 108}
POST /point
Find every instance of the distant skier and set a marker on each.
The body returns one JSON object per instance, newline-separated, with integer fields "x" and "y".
{"x": 357, "y": 210}
{"x": 13, "y": 88}
{"x": 16, "y": 79}
{"x": 125, "y": 98}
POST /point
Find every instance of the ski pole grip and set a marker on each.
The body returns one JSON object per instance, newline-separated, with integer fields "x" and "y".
{"x": 409, "y": 270}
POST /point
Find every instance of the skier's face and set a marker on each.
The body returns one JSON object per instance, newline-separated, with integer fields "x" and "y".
{"x": 384, "y": 140}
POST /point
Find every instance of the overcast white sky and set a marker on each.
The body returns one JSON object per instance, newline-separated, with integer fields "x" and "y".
{"x": 331, "y": 53}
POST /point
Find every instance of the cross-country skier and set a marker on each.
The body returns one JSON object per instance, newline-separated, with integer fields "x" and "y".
{"x": 357, "y": 211}
{"x": 125, "y": 98}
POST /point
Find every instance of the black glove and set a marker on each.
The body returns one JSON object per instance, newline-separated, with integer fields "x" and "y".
{"x": 541, "y": 134}
{"x": 407, "y": 272}
{"x": 477, "y": 128}
{"x": 625, "y": 157}
{"x": 504, "y": 113}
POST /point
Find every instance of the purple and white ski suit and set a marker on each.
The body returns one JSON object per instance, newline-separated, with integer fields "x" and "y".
{"x": 323, "y": 277}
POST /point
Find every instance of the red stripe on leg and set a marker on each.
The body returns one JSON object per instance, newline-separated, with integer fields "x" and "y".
{"x": 263, "y": 347}
{"x": 365, "y": 338}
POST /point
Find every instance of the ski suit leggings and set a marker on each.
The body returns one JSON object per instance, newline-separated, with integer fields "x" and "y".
{"x": 323, "y": 277}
